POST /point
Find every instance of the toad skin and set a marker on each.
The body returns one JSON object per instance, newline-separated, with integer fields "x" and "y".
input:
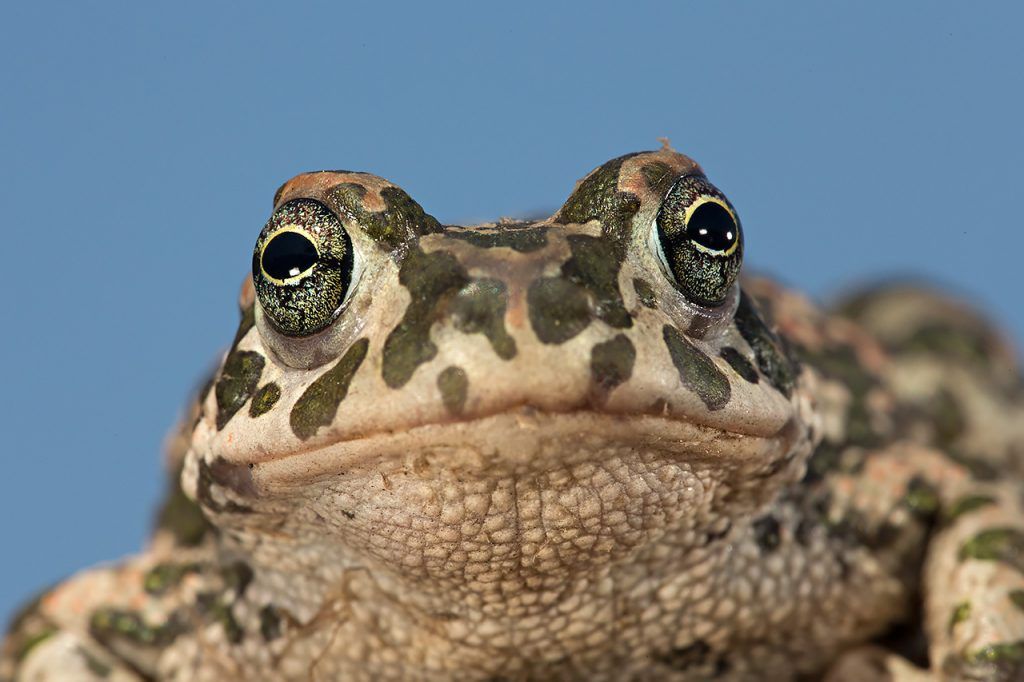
{"x": 582, "y": 448}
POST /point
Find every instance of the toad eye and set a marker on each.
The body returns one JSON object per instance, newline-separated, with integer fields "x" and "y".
{"x": 302, "y": 267}
{"x": 698, "y": 237}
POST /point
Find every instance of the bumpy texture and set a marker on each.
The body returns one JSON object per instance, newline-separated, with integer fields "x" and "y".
{"x": 520, "y": 452}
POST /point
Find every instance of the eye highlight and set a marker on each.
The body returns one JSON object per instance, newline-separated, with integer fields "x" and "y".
{"x": 302, "y": 267}
{"x": 699, "y": 237}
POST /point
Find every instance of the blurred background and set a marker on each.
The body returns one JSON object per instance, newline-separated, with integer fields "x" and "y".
{"x": 140, "y": 149}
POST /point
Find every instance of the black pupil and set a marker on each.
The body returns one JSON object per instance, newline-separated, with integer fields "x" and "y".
{"x": 712, "y": 227}
{"x": 288, "y": 254}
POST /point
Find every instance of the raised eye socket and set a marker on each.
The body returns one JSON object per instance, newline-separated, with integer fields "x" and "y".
{"x": 700, "y": 238}
{"x": 302, "y": 267}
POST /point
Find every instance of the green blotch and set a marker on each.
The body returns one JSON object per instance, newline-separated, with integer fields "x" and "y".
{"x": 237, "y": 382}
{"x": 108, "y": 624}
{"x": 430, "y": 279}
{"x": 1005, "y": 545}
{"x": 479, "y": 307}
{"x": 767, "y": 533}
{"x": 220, "y": 612}
{"x": 319, "y": 403}
{"x": 401, "y": 220}
{"x": 1017, "y": 597}
{"x": 659, "y": 176}
{"x": 961, "y": 612}
{"x": 956, "y": 343}
{"x": 181, "y": 516}
{"x": 270, "y": 623}
{"x": 237, "y": 576}
{"x": 521, "y": 239}
{"x": 598, "y": 198}
{"x": 771, "y": 360}
{"x": 30, "y": 642}
{"x": 95, "y": 665}
{"x": 946, "y": 417}
{"x": 645, "y": 293}
{"x": 166, "y": 576}
{"x": 558, "y": 309}
{"x": 611, "y": 363}
{"x": 922, "y": 498}
{"x": 965, "y": 505}
{"x": 264, "y": 400}
{"x": 740, "y": 364}
{"x": 453, "y": 384}
{"x": 594, "y": 265}
{"x": 1006, "y": 657}
{"x": 696, "y": 370}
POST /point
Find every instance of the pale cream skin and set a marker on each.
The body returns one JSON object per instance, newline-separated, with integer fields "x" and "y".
{"x": 527, "y": 452}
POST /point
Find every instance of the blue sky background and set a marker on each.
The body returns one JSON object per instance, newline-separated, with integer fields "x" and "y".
{"x": 140, "y": 148}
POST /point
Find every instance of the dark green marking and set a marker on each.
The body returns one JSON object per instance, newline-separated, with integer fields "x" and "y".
{"x": 594, "y": 265}
{"x": 453, "y": 384}
{"x": 947, "y": 418}
{"x": 180, "y": 515}
{"x": 740, "y": 364}
{"x": 767, "y": 533}
{"x": 659, "y": 176}
{"x": 965, "y": 505}
{"x": 771, "y": 360}
{"x": 319, "y": 403}
{"x": 479, "y": 307}
{"x": 598, "y": 198}
{"x": 961, "y": 612}
{"x": 997, "y": 662}
{"x": 402, "y": 219}
{"x": 1017, "y": 598}
{"x": 264, "y": 400}
{"x": 1005, "y": 545}
{"x": 611, "y": 363}
{"x": 558, "y": 309}
{"x": 696, "y": 370}
{"x": 430, "y": 278}
{"x": 922, "y": 498}
{"x": 107, "y": 625}
{"x": 217, "y": 609}
{"x": 521, "y": 239}
{"x": 165, "y": 576}
{"x": 645, "y": 293}
{"x": 236, "y": 384}
{"x": 270, "y": 623}
{"x": 31, "y": 641}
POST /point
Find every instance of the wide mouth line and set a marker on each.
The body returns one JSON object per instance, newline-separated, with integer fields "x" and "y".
{"x": 639, "y": 427}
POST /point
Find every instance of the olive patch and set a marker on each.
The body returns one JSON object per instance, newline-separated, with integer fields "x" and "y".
{"x": 453, "y": 384}
{"x": 740, "y": 364}
{"x": 429, "y": 278}
{"x": 264, "y": 399}
{"x": 1005, "y": 545}
{"x": 696, "y": 370}
{"x": 645, "y": 293}
{"x": 479, "y": 307}
{"x": 611, "y": 363}
{"x": 558, "y": 309}
{"x": 319, "y": 403}
{"x": 401, "y": 220}
{"x": 771, "y": 360}
{"x": 521, "y": 239}
{"x": 237, "y": 382}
